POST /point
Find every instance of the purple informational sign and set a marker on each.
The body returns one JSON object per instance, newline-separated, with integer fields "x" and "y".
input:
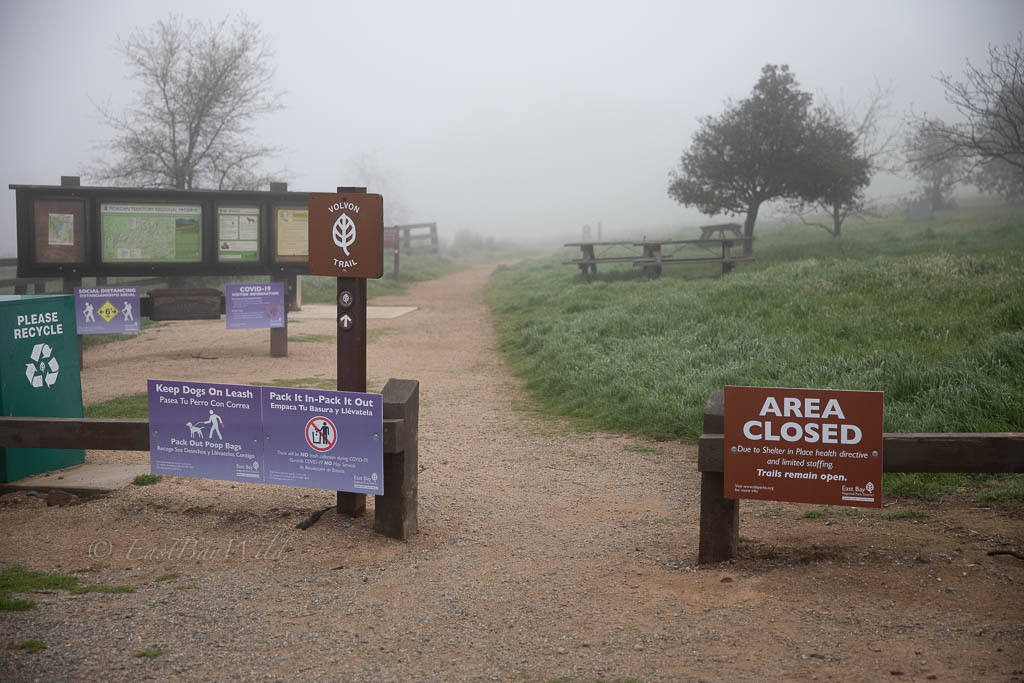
{"x": 255, "y": 305}
{"x": 271, "y": 435}
{"x": 324, "y": 439}
{"x": 107, "y": 310}
{"x": 198, "y": 429}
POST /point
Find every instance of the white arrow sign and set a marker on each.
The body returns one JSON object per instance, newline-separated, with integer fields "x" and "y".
{"x": 346, "y": 322}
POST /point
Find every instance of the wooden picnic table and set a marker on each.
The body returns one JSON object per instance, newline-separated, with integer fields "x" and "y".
{"x": 651, "y": 257}
{"x": 708, "y": 231}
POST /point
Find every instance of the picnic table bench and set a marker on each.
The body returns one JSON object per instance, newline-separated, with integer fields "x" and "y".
{"x": 651, "y": 258}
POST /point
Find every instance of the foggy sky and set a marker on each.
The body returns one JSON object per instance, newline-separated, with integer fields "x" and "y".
{"x": 518, "y": 119}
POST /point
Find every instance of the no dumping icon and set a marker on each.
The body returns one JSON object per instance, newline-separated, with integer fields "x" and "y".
{"x": 321, "y": 434}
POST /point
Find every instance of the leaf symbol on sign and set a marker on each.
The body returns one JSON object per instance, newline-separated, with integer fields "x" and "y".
{"x": 344, "y": 232}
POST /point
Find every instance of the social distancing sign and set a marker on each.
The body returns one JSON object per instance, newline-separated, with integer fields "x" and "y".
{"x": 804, "y": 445}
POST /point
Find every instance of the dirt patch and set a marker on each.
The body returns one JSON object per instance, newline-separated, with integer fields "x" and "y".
{"x": 542, "y": 552}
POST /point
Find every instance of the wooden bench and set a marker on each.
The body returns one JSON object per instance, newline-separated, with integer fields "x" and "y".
{"x": 720, "y": 516}
{"x": 654, "y": 258}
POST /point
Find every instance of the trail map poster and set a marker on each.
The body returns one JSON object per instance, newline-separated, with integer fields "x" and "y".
{"x": 238, "y": 233}
{"x": 158, "y": 233}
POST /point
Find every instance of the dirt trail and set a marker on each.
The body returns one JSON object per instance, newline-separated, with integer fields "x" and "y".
{"x": 542, "y": 552}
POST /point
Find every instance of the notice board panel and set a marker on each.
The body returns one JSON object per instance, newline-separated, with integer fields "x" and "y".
{"x": 238, "y": 233}
{"x": 291, "y": 233}
{"x": 59, "y": 230}
{"x": 151, "y": 233}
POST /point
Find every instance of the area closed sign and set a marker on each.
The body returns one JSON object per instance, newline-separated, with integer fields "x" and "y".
{"x": 804, "y": 445}
{"x": 345, "y": 235}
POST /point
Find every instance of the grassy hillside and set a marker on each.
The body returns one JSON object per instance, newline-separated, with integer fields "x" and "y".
{"x": 931, "y": 313}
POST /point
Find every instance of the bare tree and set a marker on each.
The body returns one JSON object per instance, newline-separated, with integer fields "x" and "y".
{"x": 991, "y": 102}
{"x": 201, "y": 87}
{"x": 860, "y": 142}
{"x": 928, "y": 158}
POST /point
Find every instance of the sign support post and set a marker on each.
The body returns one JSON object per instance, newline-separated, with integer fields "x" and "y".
{"x": 351, "y": 362}
{"x": 351, "y": 355}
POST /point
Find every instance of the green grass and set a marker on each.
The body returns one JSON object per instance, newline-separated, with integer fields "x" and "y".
{"x": 632, "y": 448}
{"x": 147, "y": 479}
{"x": 167, "y": 577}
{"x": 940, "y": 332}
{"x": 937, "y": 323}
{"x": 815, "y": 514}
{"x": 134, "y": 406}
{"x": 94, "y": 567}
{"x": 20, "y": 580}
{"x": 34, "y": 645}
{"x": 905, "y": 513}
{"x": 150, "y": 653}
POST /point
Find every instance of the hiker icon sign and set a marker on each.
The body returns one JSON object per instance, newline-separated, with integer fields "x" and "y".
{"x": 321, "y": 434}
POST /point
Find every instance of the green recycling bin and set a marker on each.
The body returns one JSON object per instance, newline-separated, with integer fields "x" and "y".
{"x": 39, "y": 375}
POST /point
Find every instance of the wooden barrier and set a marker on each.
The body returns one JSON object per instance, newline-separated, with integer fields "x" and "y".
{"x": 395, "y": 513}
{"x": 720, "y": 516}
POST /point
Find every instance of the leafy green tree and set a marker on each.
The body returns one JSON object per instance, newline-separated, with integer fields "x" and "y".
{"x": 754, "y": 152}
{"x": 201, "y": 87}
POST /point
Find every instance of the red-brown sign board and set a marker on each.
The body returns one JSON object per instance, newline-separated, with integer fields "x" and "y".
{"x": 804, "y": 445}
{"x": 391, "y": 237}
{"x": 345, "y": 235}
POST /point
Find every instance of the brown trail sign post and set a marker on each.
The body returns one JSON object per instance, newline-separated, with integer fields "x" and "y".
{"x": 345, "y": 233}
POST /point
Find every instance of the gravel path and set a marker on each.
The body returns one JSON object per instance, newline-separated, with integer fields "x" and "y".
{"x": 542, "y": 552}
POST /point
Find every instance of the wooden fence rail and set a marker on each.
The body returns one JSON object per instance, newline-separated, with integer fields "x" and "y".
{"x": 395, "y": 512}
{"x": 720, "y": 516}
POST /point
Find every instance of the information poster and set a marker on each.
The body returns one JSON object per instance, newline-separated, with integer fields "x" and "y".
{"x": 198, "y": 429}
{"x": 238, "y": 233}
{"x": 330, "y": 440}
{"x": 292, "y": 233}
{"x": 804, "y": 445}
{"x": 107, "y": 310}
{"x": 324, "y": 439}
{"x": 254, "y": 306}
{"x": 158, "y": 233}
{"x": 59, "y": 227}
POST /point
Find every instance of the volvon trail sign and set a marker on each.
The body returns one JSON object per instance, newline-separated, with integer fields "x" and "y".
{"x": 804, "y": 445}
{"x": 345, "y": 234}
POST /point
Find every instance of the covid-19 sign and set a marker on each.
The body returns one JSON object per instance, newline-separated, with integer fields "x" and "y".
{"x": 804, "y": 445}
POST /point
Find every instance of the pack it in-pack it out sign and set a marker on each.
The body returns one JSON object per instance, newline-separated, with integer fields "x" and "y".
{"x": 345, "y": 235}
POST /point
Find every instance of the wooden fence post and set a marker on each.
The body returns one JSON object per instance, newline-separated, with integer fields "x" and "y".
{"x": 719, "y": 516}
{"x": 395, "y": 513}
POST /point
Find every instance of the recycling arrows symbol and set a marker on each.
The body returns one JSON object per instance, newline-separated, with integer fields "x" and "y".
{"x": 43, "y": 368}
